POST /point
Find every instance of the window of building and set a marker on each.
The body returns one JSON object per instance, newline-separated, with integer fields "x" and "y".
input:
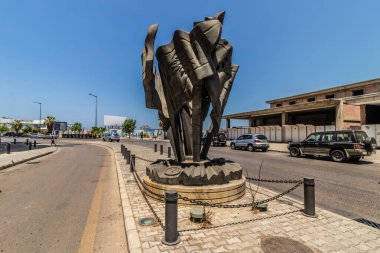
{"x": 358, "y": 92}
{"x": 279, "y": 105}
{"x": 292, "y": 102}
{"x": 311, "y": 99}
{"x": 330, "y": 96}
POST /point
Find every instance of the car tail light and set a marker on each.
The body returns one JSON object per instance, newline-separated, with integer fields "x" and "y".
{"x": 257, "y": 140}
{"x": 357, "y": 146}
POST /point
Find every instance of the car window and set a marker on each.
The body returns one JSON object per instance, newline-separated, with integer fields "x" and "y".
{"x": 313, "y": 137}
{"x": 261, "y": 137}
{"x": 361, "y": 136}
{"x": 240, "y": 137}
{"x": 248, "y": 137}
{"x": 344, "y": 137}
{"x": 328, "y": 137}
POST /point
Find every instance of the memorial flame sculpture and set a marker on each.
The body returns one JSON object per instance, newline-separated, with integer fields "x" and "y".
{"x": 195, "y": 72}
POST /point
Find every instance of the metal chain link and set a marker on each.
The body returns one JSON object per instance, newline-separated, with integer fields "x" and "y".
{"x": 238, "y": 222}
{"x": 253, "y": 204}
{"x": 144, "y": 159}
{"x": 150, "y": 206}
{"x": 274, "y": 181}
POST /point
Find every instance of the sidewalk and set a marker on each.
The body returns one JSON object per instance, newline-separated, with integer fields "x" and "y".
{"x": 328, "y": 232}
{"x": 12, "y": 159}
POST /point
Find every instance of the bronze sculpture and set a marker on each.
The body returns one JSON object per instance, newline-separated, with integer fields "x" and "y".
{"x": 195, "y": 71}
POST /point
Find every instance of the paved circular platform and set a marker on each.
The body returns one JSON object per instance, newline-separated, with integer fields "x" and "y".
{"x": 233, "y": 190}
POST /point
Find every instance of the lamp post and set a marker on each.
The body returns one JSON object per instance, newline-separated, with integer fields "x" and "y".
{"x": 39, "y": 125}
{"x": 96, "y": 108}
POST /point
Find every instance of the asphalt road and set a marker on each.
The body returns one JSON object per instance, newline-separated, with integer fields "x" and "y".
{"x": 349, "y": 189}
{"x": 66, "y": 202}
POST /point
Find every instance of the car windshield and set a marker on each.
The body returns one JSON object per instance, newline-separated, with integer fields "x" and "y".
{"x": 361, "y": 136}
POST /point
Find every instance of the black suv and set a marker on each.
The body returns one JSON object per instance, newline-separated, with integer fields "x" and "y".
{"x": 339, "y": 145}
{"x": 219, "y": 139}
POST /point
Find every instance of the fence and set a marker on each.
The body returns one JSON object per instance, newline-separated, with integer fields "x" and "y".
{"x": 171, "y": 198}
{"x": 286, "y": 133}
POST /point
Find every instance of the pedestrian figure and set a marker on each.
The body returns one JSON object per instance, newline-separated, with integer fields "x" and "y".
{"x": 142, "y": 135}
{"x": 52, "y": 141}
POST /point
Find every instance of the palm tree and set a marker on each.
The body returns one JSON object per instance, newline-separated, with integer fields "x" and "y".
{"x": 16, "y": 125}
{"x": 27, "y": 129}
{"x": 76, "y": 127}
{"x": 49, "y": 123}
{"x": 3, "y": 128}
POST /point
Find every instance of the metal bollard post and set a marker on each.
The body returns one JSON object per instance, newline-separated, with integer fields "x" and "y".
{"x": 155, "y": 147}
{"x": 171, "y": 218}
{"x": 14, "y": 141}
{"x": 128, "y": 156}
{"x": 27, "y": 141}
{"x": 35, "y": 143}
{"x": 30, "y": 145}
{"x": 133, "y": 163}
{"x": 169, "y": 152}
{"x": 161, "y": 149}
{"x": 8, "y": 148}
{"x": 309, "y": 197}
{"x": 121, "y": 149}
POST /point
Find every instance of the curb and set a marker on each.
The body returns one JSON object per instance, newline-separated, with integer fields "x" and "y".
{"x": 133, "y": 239}
{"x": 26, "y": 160}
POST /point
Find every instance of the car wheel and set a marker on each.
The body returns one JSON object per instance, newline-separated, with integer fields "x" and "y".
{"x": 250, "y": 148}
{"x": 338, "y": 156}
{"x": 118, "y": 140}
{"x": 111, "y": 140}
{"x": 294, "y": 152}
{"x": 265, "y": 149}
{"x": 233, "y": 146}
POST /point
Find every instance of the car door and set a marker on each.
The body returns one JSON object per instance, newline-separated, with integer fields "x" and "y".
{"x": 239, "y": 141}
{"x": 327, "y": 140}
{"x": 311, "y": 144}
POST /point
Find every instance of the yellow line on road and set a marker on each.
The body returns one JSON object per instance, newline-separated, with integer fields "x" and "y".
{"x": 89, "y": 233}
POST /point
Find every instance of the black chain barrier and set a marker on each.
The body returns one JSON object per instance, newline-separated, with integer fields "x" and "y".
{"x": 137, "y": 178}
{"x": 144, "y": 159}
{"x": 274, "y": 181}
{"x": 238, "y": 222}
{"x": 252, "y": 204}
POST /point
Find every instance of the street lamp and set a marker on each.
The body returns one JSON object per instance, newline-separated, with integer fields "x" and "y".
{"x": 96, "y": 108}
{"x": 39, "y": 125}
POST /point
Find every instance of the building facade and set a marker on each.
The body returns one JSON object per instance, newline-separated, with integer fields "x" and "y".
{"x": 345, "y": 107}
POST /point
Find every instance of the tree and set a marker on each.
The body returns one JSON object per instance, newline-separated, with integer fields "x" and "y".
{"x": 49, "y": 123}
{"x": 76, "y": 127}
{"x": 16, "y": 125}
{"x": 129, "y": 126}
{"x": 4, "y": 128}
{"x": 27, "y": 129}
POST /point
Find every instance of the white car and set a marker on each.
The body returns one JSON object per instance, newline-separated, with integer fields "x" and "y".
{"x": 111, "y": 137}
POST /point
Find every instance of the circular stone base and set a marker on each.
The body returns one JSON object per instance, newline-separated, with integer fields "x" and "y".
{"x": 233, "y": 190}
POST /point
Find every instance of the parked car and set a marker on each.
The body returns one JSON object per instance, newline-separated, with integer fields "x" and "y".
{"x": 339, "y": 145}
{"x": 13, "y": 134}
{"x": 48, "y": 136}
{"x": 251, "y": 142}
{"x": 111, "y": 137}
{"x": 219, "y": 139}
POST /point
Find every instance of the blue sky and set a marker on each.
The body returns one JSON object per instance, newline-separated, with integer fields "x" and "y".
{"x": 57, "y": 52}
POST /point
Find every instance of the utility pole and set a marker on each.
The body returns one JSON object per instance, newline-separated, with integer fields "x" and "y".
{"x": 39, "y": 125}
{"x": 96, "y": 108}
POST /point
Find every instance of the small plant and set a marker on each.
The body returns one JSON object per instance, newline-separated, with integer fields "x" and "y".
{"x": 208, "y": 216}
{"x": 254, "y": 192}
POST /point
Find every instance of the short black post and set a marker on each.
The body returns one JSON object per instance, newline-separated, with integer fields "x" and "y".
{"x": 35, "y": 143}
{"x": 155, "y": 147}
{"x": 128, "y": 156}
{"x": 171, "y": 218}
{"x": 133, "y": 163}
{"x": 30, "y": 145}
{"x": 161, "y": 149}
{"x": 14, "y": 141}
{"x": 169, "y": 152}
{"x": 8, "y": 148}
{"x": 27, "y": 141}
{"x": 309, "y": 196}
{"x": 125, "y": 152}
{"x": 121, "y": 148}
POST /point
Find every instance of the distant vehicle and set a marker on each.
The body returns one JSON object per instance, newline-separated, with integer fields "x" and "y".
{"x": 251, "y": 142}
{"x": 48, "y": 136}
{"x": 13, "y": 134}
{"x": 219, "y": 139}
{"x": 111, "y": 137}
{"x": 339, "y": 145}
{"x": 36, "y": 136}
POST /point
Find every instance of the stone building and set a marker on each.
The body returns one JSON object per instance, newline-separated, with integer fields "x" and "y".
{"x": 347, "y": 106}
